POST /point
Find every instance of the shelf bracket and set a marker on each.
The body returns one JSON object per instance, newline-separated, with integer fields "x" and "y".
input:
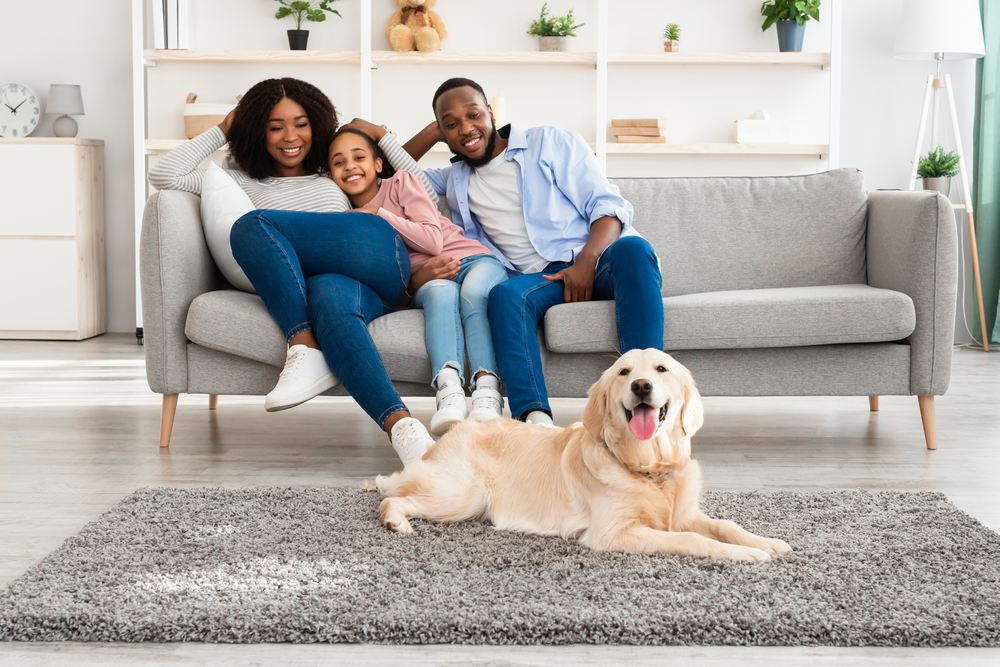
{"x": 148, "y": 63}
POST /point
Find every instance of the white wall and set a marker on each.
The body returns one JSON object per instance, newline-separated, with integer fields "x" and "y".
{"x": 89, "y": 43}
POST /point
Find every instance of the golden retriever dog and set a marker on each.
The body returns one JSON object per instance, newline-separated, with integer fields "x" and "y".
{"x": 621, "y": 480}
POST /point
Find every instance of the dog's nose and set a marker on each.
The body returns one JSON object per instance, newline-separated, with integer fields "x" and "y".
{"x": 641, "y": 387}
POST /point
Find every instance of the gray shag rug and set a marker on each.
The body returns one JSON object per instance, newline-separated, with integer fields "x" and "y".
{"x": 314, "y": 565}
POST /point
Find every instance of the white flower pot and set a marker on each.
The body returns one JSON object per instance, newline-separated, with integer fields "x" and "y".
{"x": 552, "y": 43}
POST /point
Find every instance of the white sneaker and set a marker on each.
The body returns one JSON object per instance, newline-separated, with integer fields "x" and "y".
{"x": 487, "y": 404}
{"x": 451, "y": 409}
{"x": 539, "y": 418}
{"x": 410, "y": 439}
{"x": 306, "y": 375}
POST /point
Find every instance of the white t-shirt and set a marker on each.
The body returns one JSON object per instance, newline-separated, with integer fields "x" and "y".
{"x": 495, "y": 200}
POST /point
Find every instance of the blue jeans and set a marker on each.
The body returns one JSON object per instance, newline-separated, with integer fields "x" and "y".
{"x": 332, "y": 273}
{"x": 450, "y": 304}
{"x": 626, "y": 273}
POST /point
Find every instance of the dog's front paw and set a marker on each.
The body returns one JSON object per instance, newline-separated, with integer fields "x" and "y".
{"x": 369, "y": 486}
{"x": 399, "y": 525}
{"x": 776, "y": 547}
{"x": 744, "y": 553}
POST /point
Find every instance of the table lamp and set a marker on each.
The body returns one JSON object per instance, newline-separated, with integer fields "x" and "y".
{"x": 65, "y": 100}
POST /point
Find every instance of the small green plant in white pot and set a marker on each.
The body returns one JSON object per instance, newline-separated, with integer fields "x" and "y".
{"x": 937, "y": 168}
{"x": 553, "y": 32}
{"x": 303, "y": 10}
{"x": 672, "y": 38}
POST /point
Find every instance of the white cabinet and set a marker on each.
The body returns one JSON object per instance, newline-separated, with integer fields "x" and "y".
{"x": 52, "y": 278}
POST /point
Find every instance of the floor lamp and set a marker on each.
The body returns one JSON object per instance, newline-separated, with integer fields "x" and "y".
{"x": 944, "y": 30}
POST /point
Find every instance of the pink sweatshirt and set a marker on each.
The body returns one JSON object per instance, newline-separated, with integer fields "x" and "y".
{"x": 426, "y": 233}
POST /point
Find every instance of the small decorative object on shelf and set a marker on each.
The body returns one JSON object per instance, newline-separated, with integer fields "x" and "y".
{"x": 20, "y": 110}
{"x": 639, "y": 130}
{"x": 65, "y": 100}
{"x": 553, "y": 31}
{"x": 672, "y": 38}
{"x": 760, "y": 129}
{"x": 936, "y": 169}
{"x": 303, "y": 10}
{"x": 415, "y": 27}
{"x": 790, "y": 17}
{"x": 201, "y": 117}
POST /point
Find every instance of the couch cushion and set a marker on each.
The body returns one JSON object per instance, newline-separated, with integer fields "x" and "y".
{"x": 720, "y": 234}
{"x": 238, "y": 323}
{"x": 786, "y": 317}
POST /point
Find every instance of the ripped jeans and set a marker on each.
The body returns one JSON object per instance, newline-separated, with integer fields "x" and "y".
{"x": 448, "y": 304}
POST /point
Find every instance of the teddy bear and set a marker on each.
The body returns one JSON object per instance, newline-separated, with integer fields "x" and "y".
{"x": 415, "y": 27}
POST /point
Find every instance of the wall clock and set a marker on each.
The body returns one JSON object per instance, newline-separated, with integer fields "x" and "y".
{"x": 20, "y": 110}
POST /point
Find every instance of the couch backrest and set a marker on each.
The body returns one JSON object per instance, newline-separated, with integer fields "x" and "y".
{"x": 715, "y": 234}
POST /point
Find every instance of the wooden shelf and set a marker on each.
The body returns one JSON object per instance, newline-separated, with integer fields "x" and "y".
{"x": 166, "y": 145}
{"x": 302, "y": 57}
{"x": 821, "y": 60}
{"x": 720, "y": 149}
{"x": 587, "y": 58}
{"x": 64, "y": 141}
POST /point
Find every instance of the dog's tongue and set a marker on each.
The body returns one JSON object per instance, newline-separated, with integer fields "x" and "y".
{"x": 644, "y": 421}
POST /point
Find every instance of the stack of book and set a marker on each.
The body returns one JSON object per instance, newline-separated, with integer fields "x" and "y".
{"x": 639, "y": 130}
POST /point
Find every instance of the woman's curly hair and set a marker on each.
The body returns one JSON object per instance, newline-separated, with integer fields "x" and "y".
{"x": 387, "y": 169}
{"x": 247, "y": 134}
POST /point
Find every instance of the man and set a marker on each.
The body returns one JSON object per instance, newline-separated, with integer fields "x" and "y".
{"x": 538, "y": 200}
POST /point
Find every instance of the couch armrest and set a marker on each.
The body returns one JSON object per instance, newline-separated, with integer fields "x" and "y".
{"x": 913, "y": 248}
{"x": 174, "y": 267}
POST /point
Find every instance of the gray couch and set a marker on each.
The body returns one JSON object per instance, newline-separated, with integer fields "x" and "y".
{"x": 802, "y": 285}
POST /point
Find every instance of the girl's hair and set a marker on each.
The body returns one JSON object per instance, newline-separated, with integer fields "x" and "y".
{"x": 387, "y": 170}
{"x": 248, "y": 133}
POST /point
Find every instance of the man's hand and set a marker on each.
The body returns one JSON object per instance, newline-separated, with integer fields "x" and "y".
{"x": 365, "y": 209}
{"x": 440, "y": 267}
{"x": 578, "y": 281}
{"x": 374, "y": 132}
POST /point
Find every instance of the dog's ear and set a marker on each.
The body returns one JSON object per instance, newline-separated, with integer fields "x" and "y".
{"x": 596, "y": 409}
{"x": 692, "y": 412}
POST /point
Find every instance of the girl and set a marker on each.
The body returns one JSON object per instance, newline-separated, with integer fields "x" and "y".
{"x": 451, "y": 276}
{"x": 322, "y": 273}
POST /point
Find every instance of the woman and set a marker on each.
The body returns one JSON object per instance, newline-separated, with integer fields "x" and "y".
{"x": 350, "y": 267}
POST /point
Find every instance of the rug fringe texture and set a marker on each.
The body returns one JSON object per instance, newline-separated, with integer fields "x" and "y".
{"x": 253, "y": 565}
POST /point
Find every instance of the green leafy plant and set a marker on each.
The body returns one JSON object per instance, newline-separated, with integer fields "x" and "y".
{"x": 554, "y": 26}
{"x": 938, "y": 164}
{"x": 799, "y": 11}
{"x": 305, "y": 10}
{"x": 672, "y": 32}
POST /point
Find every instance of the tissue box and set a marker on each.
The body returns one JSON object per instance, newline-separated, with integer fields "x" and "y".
{"x": 763, "y": 132}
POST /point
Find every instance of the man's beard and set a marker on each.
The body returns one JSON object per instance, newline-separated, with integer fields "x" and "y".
{"x": 488, "y": 155}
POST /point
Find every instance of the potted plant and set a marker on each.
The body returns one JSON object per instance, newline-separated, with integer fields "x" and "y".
{"x": 553, "y": 31}
{"x": 303, "y": 10}
{"x": 791, "y": 17}
{"x": 672, "y": 38}
{"x": 936, "y": 168}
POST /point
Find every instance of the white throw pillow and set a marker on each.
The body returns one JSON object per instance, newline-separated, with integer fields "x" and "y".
{"x": 223, "y": 202}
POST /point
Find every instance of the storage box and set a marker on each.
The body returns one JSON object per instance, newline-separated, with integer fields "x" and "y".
{"x": 763, "y": 131}
{"x": 201, "y": 117}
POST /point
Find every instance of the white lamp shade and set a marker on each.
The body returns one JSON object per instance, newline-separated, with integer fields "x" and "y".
{"x": 951, "y": 27}
{"x": 65, "y": 100}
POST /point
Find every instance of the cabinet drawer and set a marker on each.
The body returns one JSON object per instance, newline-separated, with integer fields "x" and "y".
{"x": 38, "y": 190}
{"x": 38, "y": 285}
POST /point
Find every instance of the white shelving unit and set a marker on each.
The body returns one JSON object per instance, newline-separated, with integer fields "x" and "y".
{"x": 602, "y": 60}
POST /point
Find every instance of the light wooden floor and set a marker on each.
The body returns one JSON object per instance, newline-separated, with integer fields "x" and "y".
{"x": 79, "y": 430}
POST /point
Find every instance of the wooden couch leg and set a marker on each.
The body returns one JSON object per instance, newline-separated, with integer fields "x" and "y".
{"x": 167, "y": 418}
{"x": 873, "y": 403}
{"x": 213, "y": 401}
{"x": 927, "y": 417}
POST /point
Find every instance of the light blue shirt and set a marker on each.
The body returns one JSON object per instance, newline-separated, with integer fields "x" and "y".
{"x": 563, "y": 191}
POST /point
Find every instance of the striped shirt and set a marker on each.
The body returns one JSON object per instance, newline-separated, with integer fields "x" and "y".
{"x": 178, "y": 170}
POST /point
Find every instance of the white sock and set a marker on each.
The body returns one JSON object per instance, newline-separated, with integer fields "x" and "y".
{"x": 448, "y": 377}
{"x": 538, "y": 417}
{"x": 488, "y": 382}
